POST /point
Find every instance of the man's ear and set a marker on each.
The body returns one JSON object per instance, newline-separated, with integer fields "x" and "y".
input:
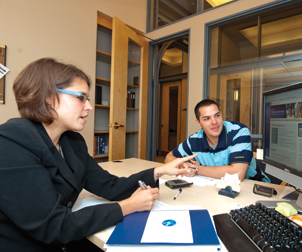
{"x": 198, "y": 123}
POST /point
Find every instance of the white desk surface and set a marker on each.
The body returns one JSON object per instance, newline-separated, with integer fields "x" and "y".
{"x": 206, "y": 196}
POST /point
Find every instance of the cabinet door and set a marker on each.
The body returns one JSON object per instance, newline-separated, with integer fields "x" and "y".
{"x": 129, "y": 74}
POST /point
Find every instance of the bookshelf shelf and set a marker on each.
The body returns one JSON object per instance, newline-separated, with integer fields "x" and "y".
{"x": 102, "y": 106}
{"x": 101, "y": 132}
{"x": 102, "y": 81}
{"x": 100, "y": 53}
{"x": 101, "y": 156}
{"x": 132, "y": 86}
{"x": 103, "y": 57}
{"x": 133, "y": 63}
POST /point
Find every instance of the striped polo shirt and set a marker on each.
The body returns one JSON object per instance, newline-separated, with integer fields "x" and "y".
{"x": 234, "y": 146}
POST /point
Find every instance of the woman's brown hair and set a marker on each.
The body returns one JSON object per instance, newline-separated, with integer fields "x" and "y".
{"x": 39, "y": 81}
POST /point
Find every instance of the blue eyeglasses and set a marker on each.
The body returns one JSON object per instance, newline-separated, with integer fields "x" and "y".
{"x": 83, "y": 97}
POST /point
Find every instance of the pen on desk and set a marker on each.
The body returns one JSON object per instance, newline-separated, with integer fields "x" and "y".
{"x": 179, "y": 191}
{"x": 142, "y": 184}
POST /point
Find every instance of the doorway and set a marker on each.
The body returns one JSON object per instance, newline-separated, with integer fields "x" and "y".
{"x": 173, "y": 116}
{"x": 172, "y": 113}
{"x": 167, "y": 96}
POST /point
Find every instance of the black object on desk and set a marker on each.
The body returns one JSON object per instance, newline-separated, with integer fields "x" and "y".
{"x": 266, "y": 228}
{"x": 264, "y": 190}
{"x": 231, "y": 236}
{"x": 177, "y": 183}
{"x": 228, "y": 191}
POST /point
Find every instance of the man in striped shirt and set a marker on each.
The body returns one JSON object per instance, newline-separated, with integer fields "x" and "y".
{"x": 222, "y": 146}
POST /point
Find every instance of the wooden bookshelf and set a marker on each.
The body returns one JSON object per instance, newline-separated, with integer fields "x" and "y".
{"x": 121, "y": 67}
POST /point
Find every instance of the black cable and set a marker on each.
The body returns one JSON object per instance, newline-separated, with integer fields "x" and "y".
{"x": 298, "y": 189}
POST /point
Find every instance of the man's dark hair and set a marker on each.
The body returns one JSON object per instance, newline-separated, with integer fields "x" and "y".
{"x": 204, "y": 103}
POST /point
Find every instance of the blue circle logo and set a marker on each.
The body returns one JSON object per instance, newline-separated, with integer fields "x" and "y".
{"x": 169, "y": 223}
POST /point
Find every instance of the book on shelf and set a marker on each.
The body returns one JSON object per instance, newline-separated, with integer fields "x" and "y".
{"x": 98, "y": 94}
{"x": 135, "y": 80}
{"x": 130, "y": 99}
{"x": 133, "y": 100}
{"x": 99, "y": 144}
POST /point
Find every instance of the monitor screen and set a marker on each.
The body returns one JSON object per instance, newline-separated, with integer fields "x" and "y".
{"x": 282, "y": 142}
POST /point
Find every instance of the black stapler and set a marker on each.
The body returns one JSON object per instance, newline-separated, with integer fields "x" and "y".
{"x": 228, "y": 191}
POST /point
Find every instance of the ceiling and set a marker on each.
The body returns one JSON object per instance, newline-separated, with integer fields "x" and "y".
{"x": 279, "y": 31}
{"x": 173, "y": 55}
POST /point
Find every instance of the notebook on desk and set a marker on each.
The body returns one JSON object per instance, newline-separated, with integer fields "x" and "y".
{"x": 131, "y": 230}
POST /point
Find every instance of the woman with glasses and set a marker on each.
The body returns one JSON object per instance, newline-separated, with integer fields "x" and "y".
{"x": 44, "y": 165}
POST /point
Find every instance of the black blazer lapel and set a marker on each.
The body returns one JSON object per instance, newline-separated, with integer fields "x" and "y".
{"x": 74, "y": 163}
{"x": 70, "y": 168}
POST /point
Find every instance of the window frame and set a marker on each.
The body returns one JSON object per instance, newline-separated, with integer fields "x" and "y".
{"x": 151, "y": 13}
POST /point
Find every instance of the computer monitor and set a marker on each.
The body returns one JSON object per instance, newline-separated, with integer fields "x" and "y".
{"x": 282, "y": 135}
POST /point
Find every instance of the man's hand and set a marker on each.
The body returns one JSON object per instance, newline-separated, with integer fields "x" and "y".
{"x": 193, "y": 166}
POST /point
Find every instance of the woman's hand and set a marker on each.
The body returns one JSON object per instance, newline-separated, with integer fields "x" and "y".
{"x": 178, "y": 166}
{"x": 140, "y": 200}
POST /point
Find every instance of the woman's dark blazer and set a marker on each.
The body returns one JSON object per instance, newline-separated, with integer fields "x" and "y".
{"x": 38, "y": 188}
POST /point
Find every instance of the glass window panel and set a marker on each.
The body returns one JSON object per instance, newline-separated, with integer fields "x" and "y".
{"x": 162, "y": 12}
{"x": 238, "y": 42}
{"x": 240, "y": 71}
{"x": 172, "y": 10}
{"x": 283, "y": 34}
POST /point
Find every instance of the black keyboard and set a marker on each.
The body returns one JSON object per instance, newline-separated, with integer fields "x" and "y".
{"x": 267, "y": 230}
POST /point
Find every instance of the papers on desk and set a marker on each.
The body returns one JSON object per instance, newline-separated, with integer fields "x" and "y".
{"x": 287, "y": 190}
{"x": 132, "y": 230}
{"x": 170, "y": 226}
{"x": 90, "y": 200}
{"x": 165, "y": 248}
{"x": 201, "y": 180}
{"x": 161, "y": 206}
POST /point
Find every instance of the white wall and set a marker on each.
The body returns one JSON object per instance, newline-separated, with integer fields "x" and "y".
{"x": 64, "y": 29}
{"x": 196, "y": 24}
